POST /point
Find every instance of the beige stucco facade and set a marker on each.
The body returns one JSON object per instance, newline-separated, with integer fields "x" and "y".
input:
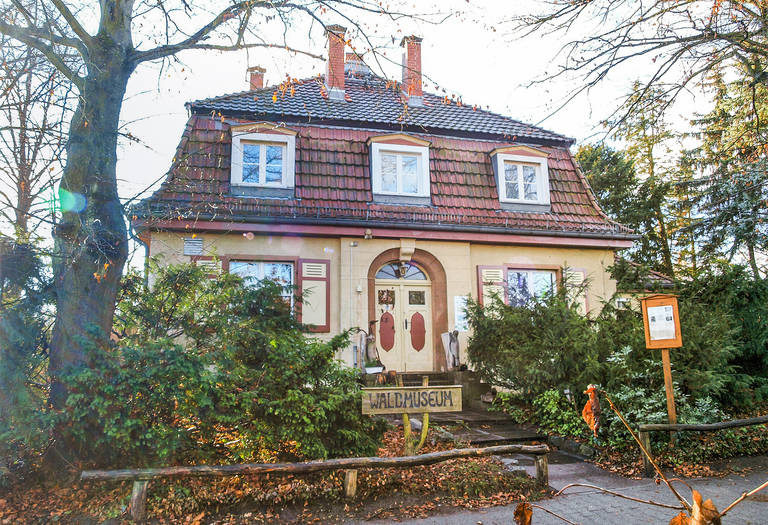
{"x": 351, "y": 262}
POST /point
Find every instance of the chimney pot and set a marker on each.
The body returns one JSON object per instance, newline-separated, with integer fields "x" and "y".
{"x": 256, "y": 77}
{"x": 334, "y": 76}
{"x": 412, "y": 69}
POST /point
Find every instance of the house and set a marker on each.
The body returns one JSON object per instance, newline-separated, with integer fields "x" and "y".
{"x": 380, "y": 202}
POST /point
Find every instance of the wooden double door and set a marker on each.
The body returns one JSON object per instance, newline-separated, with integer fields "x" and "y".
{"x": 404, "y": 328}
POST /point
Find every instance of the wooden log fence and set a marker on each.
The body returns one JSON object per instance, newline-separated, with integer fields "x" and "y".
{"x": 645, "y": 432}
{"x": 141, "y": 477}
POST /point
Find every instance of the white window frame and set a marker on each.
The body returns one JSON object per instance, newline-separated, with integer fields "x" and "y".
{"x": 542, "y": 178}
{"x": 287, "y": 294}
{"x": 288, "y": 142}
{"x": 422, "y": 167}
{"x": 530, "y": 272}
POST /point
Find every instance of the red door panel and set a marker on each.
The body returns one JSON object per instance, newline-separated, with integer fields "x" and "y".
{"x": 418, "y": 331}
{"x": 387, "y": 331}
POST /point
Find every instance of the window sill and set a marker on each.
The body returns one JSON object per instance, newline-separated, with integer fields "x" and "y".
{"x": 530, "y": 207}
{"x": 261, "y": 191}
{"x": 424, "y": 200}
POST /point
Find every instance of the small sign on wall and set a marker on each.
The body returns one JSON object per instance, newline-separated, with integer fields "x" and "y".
{"x": 662, "y": 322}
{"x": 461, "y": 322}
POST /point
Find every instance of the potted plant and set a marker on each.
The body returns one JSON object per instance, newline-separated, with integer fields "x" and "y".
{"x": 373, "y": 366}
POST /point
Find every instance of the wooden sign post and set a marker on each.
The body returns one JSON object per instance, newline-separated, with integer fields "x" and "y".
{"x": 662, "y": 330}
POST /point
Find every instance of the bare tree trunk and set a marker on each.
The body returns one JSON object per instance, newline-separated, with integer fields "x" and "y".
{"x": 91, "y": 239}
{"x": 753, "y": 260}
{"x": 669, "y": 268}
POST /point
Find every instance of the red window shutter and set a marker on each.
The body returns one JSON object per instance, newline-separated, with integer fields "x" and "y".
{"x": 314, "y": 282}
{"x": 491, "y": 280}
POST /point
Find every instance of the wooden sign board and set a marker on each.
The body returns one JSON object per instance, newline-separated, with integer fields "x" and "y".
{"x": 662, "y": 322}
{"x": 411, "y": 399}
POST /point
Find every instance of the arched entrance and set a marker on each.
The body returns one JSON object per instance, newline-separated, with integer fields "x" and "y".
{"x": 407, "y": 298}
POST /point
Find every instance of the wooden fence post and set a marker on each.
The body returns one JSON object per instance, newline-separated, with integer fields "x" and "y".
{"x": 542, "y": 470}
{"x": 645, "y": 439}
{"x": 138, "y": 507}
{"x": 350, "y": 483}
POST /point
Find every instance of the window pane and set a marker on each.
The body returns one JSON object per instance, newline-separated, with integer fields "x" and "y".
{"x": 417, "y": 297}
{"x": 510, "y": 181}
{"x": 529, "y": 179}
{"x": 251, "y": 153}
{"x": 518, "y": 289}
{"x": 249, "y": 271}
{"x": 543, "y": 283}
{"x": 274, "y": 168}
{"x": 413, "y": 273}
{"x": 274, "y": 174}
{"x": 410, "y": 174}
{"x": 251, "y": 162}
{"x": 274, "y": 155}
{"x": 281, "y": 273}
{"x": 250, "y": 173}
{"x": 388, "y": 271}
{"x": 389, "y": 173}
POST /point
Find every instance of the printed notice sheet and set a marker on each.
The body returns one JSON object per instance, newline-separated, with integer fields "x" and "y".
{"x": 661, "y": 322}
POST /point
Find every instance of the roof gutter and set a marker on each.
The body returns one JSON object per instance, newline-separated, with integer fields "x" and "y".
{"x": 199, "y": 224}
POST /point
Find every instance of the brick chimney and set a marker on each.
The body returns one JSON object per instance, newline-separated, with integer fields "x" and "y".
{"x": 256, "y": 80}
{"x": 412, "y": 69}
{"x": 334, "y": 75}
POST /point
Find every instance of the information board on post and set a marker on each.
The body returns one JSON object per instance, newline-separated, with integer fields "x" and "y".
{"x": 411, "y": 399}
{"x": 661, "y": 320}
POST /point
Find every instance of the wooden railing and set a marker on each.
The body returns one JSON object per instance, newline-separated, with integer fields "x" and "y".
{"x": 645, "y": 430}
{"x": 141, "y": 477}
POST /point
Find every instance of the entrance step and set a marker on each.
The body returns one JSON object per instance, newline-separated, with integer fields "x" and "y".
{"x": 478, "y": 427}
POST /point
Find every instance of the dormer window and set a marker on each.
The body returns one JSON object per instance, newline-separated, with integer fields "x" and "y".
{"x": 263, "y": 163}
{"x": 400, "y": 169}
{"x": 263, "y": 159}
{"x": 521, "y": 182}
{"x": 522, "y": 177}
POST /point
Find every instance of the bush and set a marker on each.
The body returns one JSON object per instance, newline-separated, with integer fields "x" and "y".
{"x": 734, "y": 289}
{"x": 556, "y": 414}
{"x": 544, "y": 345}
{"x": 210, "y": 369}
{"x": 24, "y": 319}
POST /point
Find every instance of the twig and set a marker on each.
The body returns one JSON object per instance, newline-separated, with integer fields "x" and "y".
{"x": 554, "y": 514}
{"x": 647, "y": 453}
{"x": 743, "y": 497}
{"x": 648, "y": 501}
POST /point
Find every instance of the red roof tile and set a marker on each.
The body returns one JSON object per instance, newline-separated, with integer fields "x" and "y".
{"x": 333, "y": 182}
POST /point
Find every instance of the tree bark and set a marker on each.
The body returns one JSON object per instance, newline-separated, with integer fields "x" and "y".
{"x": 91, "y": 237}
{"x": 753, "y": 260}
{"x": 669, "y": 268}
{"x": 309, "y": 466}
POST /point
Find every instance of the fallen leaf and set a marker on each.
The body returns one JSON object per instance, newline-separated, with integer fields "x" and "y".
{"x": 523, "y": 513}
{"x": 680, "y": 519}
{"x": 703, "y": 513}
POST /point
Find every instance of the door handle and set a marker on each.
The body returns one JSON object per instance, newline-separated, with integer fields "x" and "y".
{"x": 406, "y": 324}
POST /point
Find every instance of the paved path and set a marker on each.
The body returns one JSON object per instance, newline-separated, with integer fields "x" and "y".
{"x": 586, "y": 506}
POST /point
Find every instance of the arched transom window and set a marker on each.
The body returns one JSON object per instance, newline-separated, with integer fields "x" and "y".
{"x": 401, "y": 270}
